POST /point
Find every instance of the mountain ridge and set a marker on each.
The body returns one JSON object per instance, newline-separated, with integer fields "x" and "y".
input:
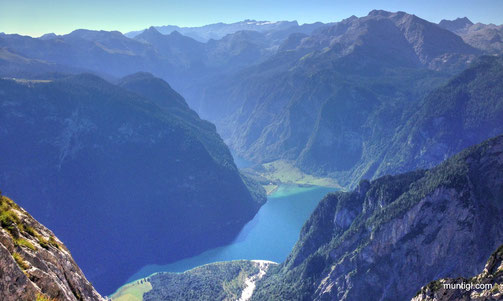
{"x": 217, "y": 31}
{"x": 442, "y": 221}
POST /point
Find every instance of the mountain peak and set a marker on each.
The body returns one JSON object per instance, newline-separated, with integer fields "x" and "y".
{"x": 461, "y": 21}
{"x": 149, "y": 34}
{"x": 175, "y": 33}
{"x": 91, "y": 35}
{"x": 137, "y": 76}
{"x": 156, "y": 89}
{"x": 456, "y": 25}
{"x": 48, "y": 36}
{"x": 465, "y": 19}
{"x": 152, "y": 29}
{"x": 379, "y": 12}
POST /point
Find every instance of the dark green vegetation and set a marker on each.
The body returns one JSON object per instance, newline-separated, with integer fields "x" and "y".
{"x": 388, "y": 237}
{"x": 35, "y": 265}
{"x": 216, "y": 281}
{"x": 126, "y": 175}
{"x": 488, "y": 282}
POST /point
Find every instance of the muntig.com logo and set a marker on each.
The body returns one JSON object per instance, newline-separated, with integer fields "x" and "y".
{"x": 467, "y": 286}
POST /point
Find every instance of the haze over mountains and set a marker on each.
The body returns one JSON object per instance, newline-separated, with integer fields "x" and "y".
{"x": 253, "y": 84}
{"x": 101, "y": 146}
{"x": 220, "y": 30}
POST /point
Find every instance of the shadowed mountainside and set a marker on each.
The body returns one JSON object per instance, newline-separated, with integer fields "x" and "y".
{"x": 137, "y": 175}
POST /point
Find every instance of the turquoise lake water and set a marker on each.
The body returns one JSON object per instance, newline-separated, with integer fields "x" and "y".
{"x": 270, "y": 235}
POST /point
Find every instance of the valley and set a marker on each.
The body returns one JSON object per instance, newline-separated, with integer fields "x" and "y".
{"x": 277, "y": 224}
{"x": 359, "y": 158}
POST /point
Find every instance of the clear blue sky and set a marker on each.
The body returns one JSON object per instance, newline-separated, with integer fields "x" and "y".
{"x": 36, "y": 17}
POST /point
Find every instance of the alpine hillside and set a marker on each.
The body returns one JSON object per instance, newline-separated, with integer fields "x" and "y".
{"x": 390, "y": 236}
{"x": 128, "y": 174}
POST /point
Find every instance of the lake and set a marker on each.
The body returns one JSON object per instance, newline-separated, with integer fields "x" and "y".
{"x": 270, "y": 235}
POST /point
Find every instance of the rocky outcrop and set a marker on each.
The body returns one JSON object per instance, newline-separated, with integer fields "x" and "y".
{"x": 386, "y": 239}
{"x": 35, "y": 264}
{"x": 485, "y": 286}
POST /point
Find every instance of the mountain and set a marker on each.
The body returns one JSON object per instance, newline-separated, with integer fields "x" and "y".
{"x": 128, "y": 174}
{"x": 158, "y": 91}
{"x": 35, "y": 264}
{"x": 238, "y": 50}
{"x": 456, "y": 26}
{"x": 177, "y": 49}
{"x": 355, "y": 46}
{"x": 398, "y": 38}
{"x": 388, "y": 237}
{"x": 487, "y": 37}
{"x": 331, "y": 101}
{"x": 181, "y": 60}
{"x": 326, "y": 97}
{"x": 106, "y": 53}
{"x": 48, "y": 36}
{"x": 467, "y": 110}
{"x": 232, "y": 280}
{"x": 219, "y": 30}
{"x": 460, "y": 288}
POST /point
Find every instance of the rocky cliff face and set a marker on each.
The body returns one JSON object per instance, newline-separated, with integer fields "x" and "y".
{"x": 388, "y": 237}
{"x": 34, "y": 264}
{"x": 484, "y": 286}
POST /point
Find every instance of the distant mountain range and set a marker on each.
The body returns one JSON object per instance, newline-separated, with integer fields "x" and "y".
{"x": 219, "y": 30}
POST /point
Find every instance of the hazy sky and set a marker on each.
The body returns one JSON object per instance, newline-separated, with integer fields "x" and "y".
{"x": 36, "y": 17}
